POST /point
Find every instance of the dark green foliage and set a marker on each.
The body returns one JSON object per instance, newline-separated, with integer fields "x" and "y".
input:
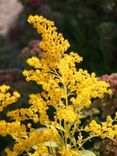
{"x": 91, "y": 27}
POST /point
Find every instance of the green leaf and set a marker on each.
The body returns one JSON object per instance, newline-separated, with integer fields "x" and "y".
{"x": 86, "y": 153}
{"x": 51, "y": 144}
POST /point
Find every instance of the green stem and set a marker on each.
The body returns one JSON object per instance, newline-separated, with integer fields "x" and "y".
{"x": 85, "y": 140}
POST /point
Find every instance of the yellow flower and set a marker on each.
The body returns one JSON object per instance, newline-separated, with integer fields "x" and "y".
{"x": 6, "y": 98}
{"x": 52, "y": 43}
{"x": 105, "y": 129}
{"x": 10, "y": 153}
{"x": 67, "y": 114}
{"x": 68, "y": 152}
{"x": 41, "y": 151}
{"x": 15, "y": 129}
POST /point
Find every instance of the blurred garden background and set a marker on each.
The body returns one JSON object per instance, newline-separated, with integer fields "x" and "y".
{"x": 91, "y": 28}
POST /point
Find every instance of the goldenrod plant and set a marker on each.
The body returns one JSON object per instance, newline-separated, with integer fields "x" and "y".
{"x": 65, "y": 88}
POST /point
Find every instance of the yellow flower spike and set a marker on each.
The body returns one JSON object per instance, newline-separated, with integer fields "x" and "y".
{"x": 52, "y": 42}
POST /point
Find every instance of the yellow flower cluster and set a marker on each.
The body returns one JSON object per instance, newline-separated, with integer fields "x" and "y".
{"x": 66, "y": 89}
{"x": 53, "y": 44}
{"x": 81, "y": 83}
{"x": 87, "y": 87}
{"x": 37, "y": 103}
{"x": 36, "y": 112}
{"x": 105, "y": 129}
{"x": 68, "y": 152}
{"x": 23, "y": 114}
{"x": 67, "y": 114}
{"x": 15, "y": 129}
{"x": 42, "y": 151}
{"x": 36, "y": 139}
{"x": 6, "y": 98}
